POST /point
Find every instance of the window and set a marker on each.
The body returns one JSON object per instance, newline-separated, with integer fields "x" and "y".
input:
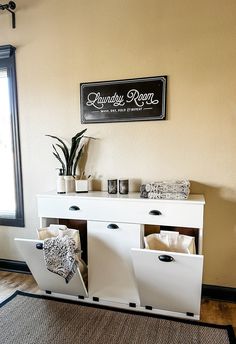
{"x": 11, "y": 193}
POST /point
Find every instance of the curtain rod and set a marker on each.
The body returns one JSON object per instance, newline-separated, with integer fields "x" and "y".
{"x": 10, "y": 7}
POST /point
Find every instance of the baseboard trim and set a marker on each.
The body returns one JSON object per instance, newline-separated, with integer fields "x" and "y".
{"x": 14, "y": 266}
{"x": 220, "y": 293}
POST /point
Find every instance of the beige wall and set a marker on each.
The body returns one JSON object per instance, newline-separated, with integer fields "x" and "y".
{"x": 192, "y": 42}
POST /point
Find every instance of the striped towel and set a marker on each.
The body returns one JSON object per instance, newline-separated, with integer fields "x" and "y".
{"x": 167, "y": 189}
{"x": 167, "y": 195}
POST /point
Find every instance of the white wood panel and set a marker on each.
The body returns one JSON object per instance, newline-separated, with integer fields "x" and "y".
{"x": 188, "y": 213}
{"x": 59, "y": 207}
{"x": 173, "y": 286}
{"x": 45, "y": 279}
{"x": 110, "y": 268}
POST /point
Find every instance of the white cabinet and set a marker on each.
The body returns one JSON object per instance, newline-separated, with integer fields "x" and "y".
{"x": 110, "y": 267}
{"x": 120, "y": 271}
{"x": 169, "y": 281}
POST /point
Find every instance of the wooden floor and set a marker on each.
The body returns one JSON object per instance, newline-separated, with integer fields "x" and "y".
{"x": 216, "y": 312}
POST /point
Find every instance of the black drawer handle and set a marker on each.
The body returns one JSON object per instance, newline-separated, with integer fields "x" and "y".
{"x": 112, "y": 226}
{"x": 39, "y": 245}
{"x": 165, "y": 258}
{"x": 74, "y": 207}
{"x": 155, "y": 212}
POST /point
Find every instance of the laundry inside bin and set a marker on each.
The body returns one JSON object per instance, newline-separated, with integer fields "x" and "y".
{"x": 60, "y": 231}
{"x": 170, "y": 241}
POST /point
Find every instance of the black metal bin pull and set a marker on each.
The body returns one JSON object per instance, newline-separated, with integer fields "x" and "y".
{"x": 165, "y": 258}
{"x": 74, "y": 207}
{"x": 39, "y": 245}
{"x": 155, "y": 212}
{"x": 112, "y": 226}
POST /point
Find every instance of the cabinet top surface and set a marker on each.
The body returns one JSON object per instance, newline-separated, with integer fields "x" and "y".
{"x": 132, "y": 196}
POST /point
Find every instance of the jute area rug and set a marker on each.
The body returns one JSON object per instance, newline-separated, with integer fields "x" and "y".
{"x": 31, "y": 319}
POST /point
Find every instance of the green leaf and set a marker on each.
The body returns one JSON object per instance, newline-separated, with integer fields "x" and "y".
{"x": 65, "y": 152}
{"x": 69, "y": 153}
{"x": 64, "y": 149}
{"x": 62, "y": 142}
{"x": 74, "y": 138}
{"x": 73, "y": 153}
{"x": 75, "y": 141}
{"x": 56, "y": 154}
{"x": 77, "y": 160}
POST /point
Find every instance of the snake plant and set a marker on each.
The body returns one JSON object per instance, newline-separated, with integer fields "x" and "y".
{"x": 70, "y": 154}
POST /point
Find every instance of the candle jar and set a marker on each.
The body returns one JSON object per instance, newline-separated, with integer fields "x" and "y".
{"x": 123, "y": 186}
{"x": 112, "y": 186}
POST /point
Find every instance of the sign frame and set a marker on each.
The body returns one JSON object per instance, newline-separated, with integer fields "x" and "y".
{"x": 139, "y": 99}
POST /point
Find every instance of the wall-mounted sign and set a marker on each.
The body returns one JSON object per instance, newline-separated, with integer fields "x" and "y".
{"x": 141, "y": 99}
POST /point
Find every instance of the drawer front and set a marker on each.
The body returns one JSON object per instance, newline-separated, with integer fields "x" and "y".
{"x": 156, "y": 213}
{"x": 109, "y": 260}
{"x": 163, "y": 283}
{"x": 63, "y": 208}
{"x": 164, "y": 213}
{"x": 120, "y": 210}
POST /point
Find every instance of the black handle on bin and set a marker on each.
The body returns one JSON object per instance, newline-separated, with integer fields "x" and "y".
{"x": 74, "y": 207}
{"x": 155, "y": 212}
{"x": 165, "y": 258}
{"x": 39, "y": 245}
{"x": 112, "y": 226}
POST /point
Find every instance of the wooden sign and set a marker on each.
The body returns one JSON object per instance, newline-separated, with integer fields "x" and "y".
{"x": 141, "y": 99}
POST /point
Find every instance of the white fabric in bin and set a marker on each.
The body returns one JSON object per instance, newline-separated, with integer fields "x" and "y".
{"x": 60, "y": 231}
{"x": 170, "y": 241}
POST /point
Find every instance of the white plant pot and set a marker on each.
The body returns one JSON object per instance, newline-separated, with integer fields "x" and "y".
{"x": 81, "y": 185}
{"x": 69, "y": 184}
